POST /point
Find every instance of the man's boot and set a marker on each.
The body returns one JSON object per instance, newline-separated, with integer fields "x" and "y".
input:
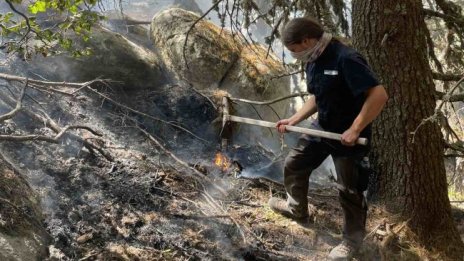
{"x": 342, "y": 252}
{"x": 281, "y": 206}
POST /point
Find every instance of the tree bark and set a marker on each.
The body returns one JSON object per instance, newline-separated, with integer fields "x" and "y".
{"x": 411, "y": 176}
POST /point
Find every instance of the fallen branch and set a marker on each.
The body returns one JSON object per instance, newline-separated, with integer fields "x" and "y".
{"x": 55, "y": 139}
{"x": 176, "y": 195}
{"x": 18, "y": 107}
{"x": 10, "y": 77}
{"x": 87, "y": 85}
{"x": 198, "y": 217}
{"x": 49, "y": 122}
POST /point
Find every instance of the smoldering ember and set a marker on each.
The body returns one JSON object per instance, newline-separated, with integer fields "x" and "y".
{"x": 231, "y": 130}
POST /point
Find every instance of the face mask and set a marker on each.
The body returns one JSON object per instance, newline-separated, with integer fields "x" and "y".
{"x": 311, "y": 54}
{"x": 303, "y": 55}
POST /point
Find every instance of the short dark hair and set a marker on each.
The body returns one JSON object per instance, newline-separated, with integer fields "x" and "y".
{"x": 298, "y": 29}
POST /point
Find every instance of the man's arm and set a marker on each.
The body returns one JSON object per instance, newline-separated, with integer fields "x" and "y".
{"x": 376, "y": 99}
{"x": 308, "y": 109}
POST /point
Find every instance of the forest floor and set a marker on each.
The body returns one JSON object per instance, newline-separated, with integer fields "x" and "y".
{"x": 145, "y": 206}
{"x": 133, "y": 210}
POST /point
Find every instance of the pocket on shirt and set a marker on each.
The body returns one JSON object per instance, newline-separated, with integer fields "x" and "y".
{"x": 323, "y": 83}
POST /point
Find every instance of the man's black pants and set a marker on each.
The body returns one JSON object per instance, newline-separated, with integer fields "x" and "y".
{"x": 306, "y": 156}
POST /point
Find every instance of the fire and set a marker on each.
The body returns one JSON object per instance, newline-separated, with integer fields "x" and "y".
{"x": 221, "y": 161}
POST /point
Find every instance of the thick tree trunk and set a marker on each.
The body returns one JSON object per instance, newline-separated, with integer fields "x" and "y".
{"x": 411, "y": 178}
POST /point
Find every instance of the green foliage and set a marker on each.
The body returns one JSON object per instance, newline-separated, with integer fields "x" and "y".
{"x": 29, "y": 37}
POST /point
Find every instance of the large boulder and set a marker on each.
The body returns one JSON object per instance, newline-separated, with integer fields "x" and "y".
{"x": 114, "y": 57}
{"x": 215, "y": 59}
{"x": 190, "y": 5}
{"x": 209, "y": 53}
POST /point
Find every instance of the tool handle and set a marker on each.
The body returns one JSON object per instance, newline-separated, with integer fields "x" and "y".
{"x": 312, "y": 132}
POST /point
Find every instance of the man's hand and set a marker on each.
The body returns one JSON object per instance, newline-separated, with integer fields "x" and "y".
{"x": 281, "y": 125}
{"x": 349, "y": 137}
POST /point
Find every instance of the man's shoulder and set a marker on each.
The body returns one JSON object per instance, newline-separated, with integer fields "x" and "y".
{"x": 344, "y": 51}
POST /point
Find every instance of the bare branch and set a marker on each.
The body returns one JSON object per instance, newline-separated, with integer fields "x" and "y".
{"x": 449, "y": 93}
{"x": 274, "y": 31}
{"x": 18, "y": 107}
{"x": 270, "y": 107}
{"x": 454, "y": 155}
{"x": 261, "y": 117}
{"x": 446, "y": 77}
{"x": 287, "y": 74}
{"x": 437, "y": 116}
{"x": 28, "y": 24}
{"x": 49, "y": 122}
{"x": 10, "y": 77}
{"x": 457, "y": 146}
{"x": 55, "y": 139}
{"x": 450, "y": 98}
{"x": 431, "y": 48}
{"x": 451, "y": 16}
{"x": 204, "y": 96}
{"x": 86, "y": 85}
{"x": 448, "y": 18}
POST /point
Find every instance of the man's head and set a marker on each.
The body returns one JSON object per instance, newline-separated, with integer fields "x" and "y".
{"x": 301, "y": 34}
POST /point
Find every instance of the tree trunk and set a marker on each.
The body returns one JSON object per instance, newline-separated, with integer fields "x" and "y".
{"x": 411, "y": 179}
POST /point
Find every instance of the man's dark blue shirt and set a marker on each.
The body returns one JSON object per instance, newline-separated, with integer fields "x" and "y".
{"x": 339, "y": 79}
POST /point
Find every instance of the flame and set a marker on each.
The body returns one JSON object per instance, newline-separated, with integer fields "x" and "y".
{"x": 221, "y": 161}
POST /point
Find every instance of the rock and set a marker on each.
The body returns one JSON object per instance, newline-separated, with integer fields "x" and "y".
{"x": 84, "y": 238}
{"x": 189, "y": 5}
{"x": 209, "y": 57}
{"x": 217, "y": 60}
{"x": 114, "y": 57}
{"x": 56, "y": 254}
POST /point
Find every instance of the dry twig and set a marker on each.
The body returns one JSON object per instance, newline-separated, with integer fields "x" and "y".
{"x": 18, "y": 106}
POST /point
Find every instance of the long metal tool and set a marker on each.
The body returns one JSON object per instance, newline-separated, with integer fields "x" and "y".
{"x": 317, "y": 133}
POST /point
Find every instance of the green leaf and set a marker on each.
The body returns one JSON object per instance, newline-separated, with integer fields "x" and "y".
{"x": 73, "y": 9}
{"x": 39, "y": 6}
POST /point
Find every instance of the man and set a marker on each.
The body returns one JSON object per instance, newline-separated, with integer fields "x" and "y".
{"x": 347, "y": 97}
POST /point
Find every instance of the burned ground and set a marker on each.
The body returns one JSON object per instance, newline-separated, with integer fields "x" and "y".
{"x": 145, "y": 206}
